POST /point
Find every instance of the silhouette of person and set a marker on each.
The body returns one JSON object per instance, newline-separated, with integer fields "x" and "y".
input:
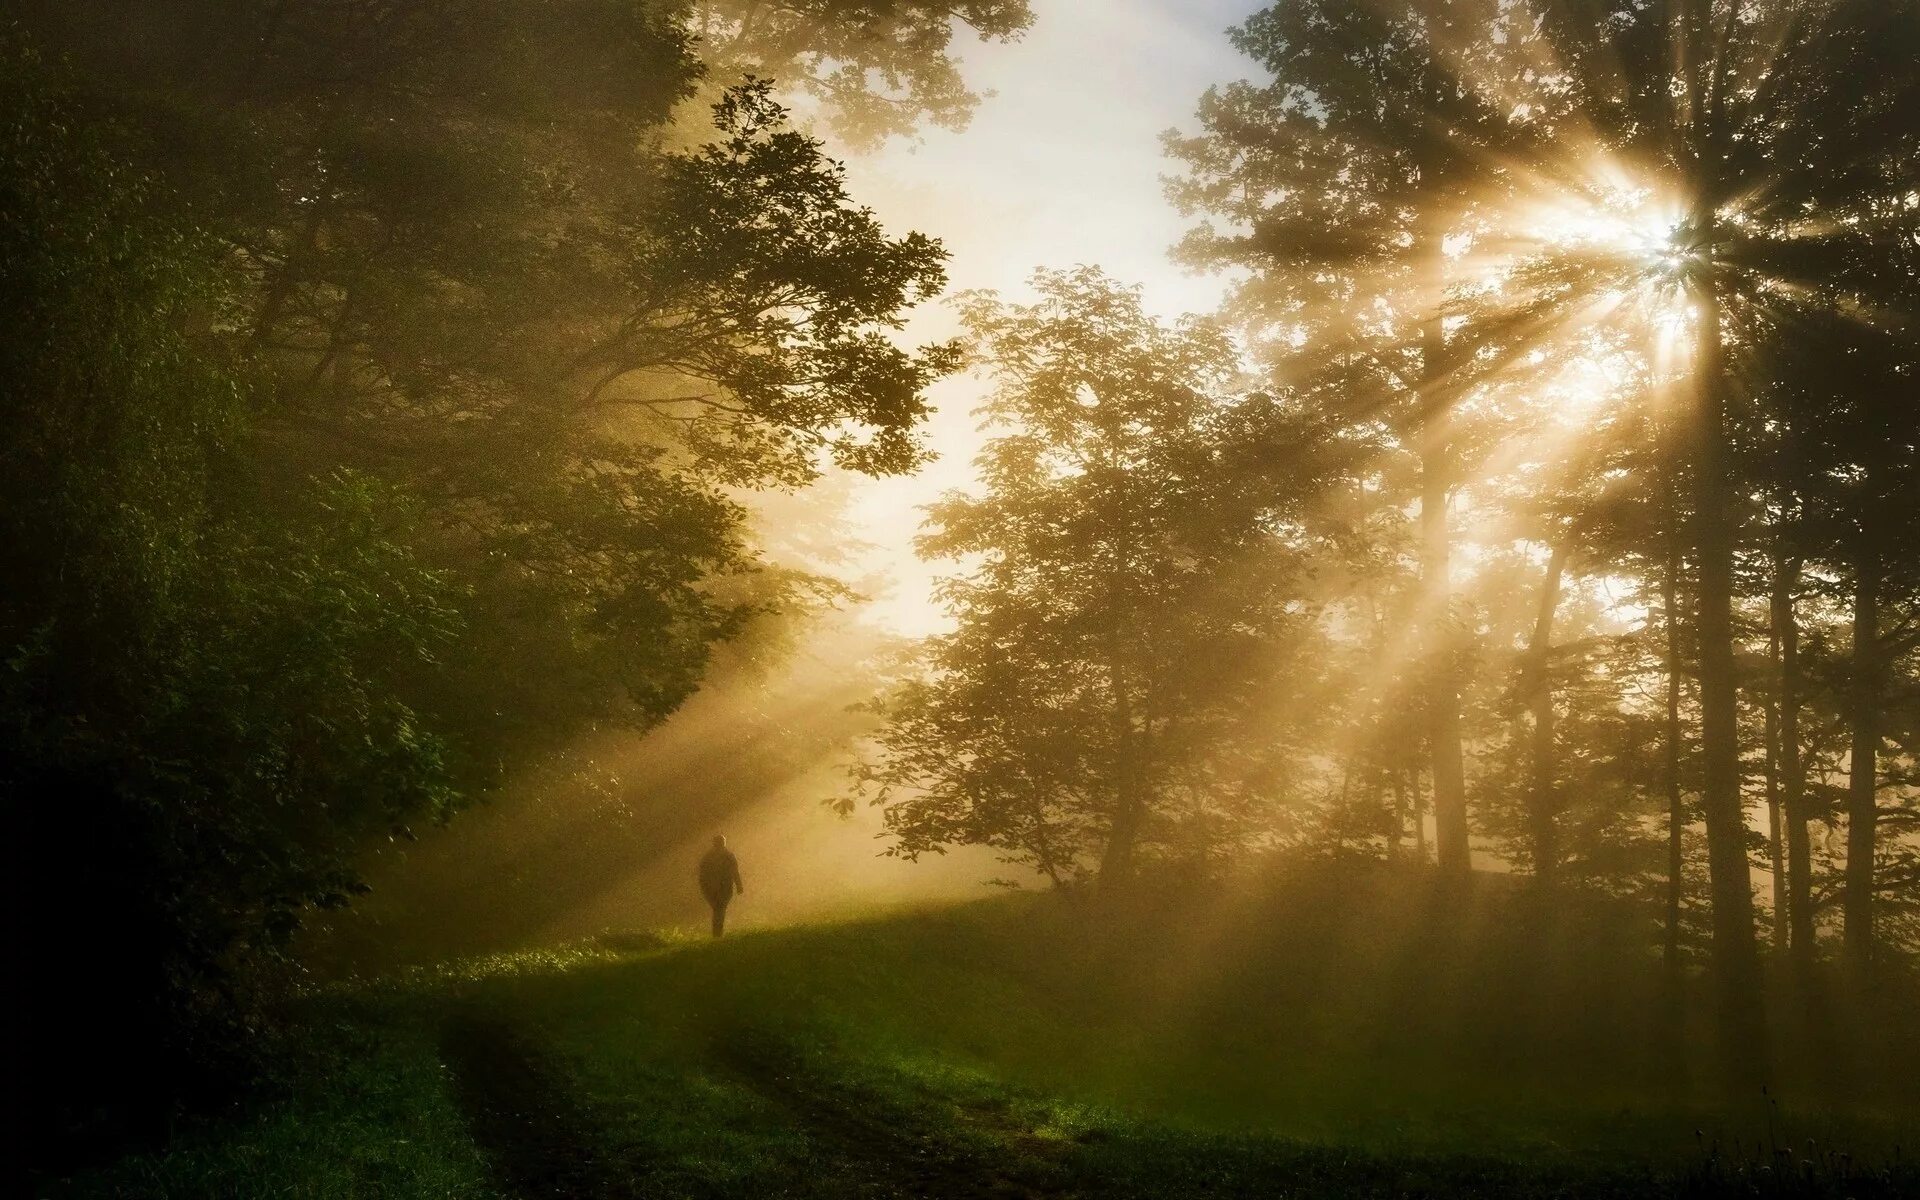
{"x": 720, "y": 881}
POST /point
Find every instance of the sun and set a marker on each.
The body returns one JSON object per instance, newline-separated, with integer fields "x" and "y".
{"x": 1630, "y": 242}
{"x": 1634, "y": 223}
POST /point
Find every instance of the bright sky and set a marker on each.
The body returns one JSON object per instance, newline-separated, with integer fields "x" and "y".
{"x": 1061, "y": 165}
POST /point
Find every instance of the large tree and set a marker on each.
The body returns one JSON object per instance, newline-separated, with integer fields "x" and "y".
{"x": 1753, "y": 119}
{"x": 481, "y": 266}
{"x": 386, "y": 377}
{"x": 1124, "y": 609}
{"x": 1483, "y": 183}
{"x": 1347, "y": 184}
{"x": 203, "y": 708}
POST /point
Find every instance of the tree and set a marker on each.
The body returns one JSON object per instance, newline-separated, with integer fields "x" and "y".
{"x": 1342, "y": 181}
{"x": 385, "y": 381}
{"x": 1757, "y": 141}
{"x": 877, "y": 70}
{"x": 1413, "y": 167}
{"x": 479, "y": 273}
{"x": 203, "y": 711}
{"x": 1099, "y": 697}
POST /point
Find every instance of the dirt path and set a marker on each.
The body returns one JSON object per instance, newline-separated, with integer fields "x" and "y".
{"x": 543, "y": 1140}
{"x": 886, "y": 1150}
{"x": 539, "y": 1138}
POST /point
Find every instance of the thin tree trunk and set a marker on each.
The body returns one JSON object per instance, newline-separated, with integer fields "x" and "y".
{"x": 1116, "y": 865}
{"x": 282, "y": 279}
{"x": 1776, "y": 853}
{"x": 1419, "y": 820}
{"x": 1742, "y": 1005}
{"x": 1543, "y": 800}
{"x": 1793, "y": 781}
{"x": 1443, "y": 685}
{"x": 1399, "y": 811}
{"x": 1676, "y": 809}
{"x": 247, "y": 81}
{"x": 1129, "y": 799}
{"x": 1863, "y": 759}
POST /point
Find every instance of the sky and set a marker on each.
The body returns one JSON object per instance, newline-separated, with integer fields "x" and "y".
{"x": 1062, "y": 165}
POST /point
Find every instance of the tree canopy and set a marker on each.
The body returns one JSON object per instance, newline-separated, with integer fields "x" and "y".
{"x": 387, "y": 383}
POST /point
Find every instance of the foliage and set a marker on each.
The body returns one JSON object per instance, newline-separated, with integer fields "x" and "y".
{"x": 200, "y": 703}
{"x": 480, "y": 269}
{"x": 383, "y": 381}
{"x": 751, "y": 270}
{"x": 877, "y": 70}
{"x": 1123, "y": 611}
{"x": 1533, "y": 198}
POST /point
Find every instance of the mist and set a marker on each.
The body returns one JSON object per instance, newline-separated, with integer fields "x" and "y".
{"x": 601, "y": 841}
{"x": 723, "y": 598}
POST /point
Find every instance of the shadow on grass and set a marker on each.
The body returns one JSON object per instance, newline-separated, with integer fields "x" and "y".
{"x": 539, "y": 1138}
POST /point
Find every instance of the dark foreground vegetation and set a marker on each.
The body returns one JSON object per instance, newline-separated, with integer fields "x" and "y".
{"x": 379, "y": 383}
{"x": 1320, "y": 1037}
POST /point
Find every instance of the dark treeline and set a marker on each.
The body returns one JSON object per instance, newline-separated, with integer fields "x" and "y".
{"x": 380, "y": 381}
{"x": 1567, "y": 511}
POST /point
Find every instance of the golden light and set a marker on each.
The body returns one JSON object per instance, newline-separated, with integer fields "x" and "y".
{"x": 1632, "y": 224}
{"x": 1638, "y": 231}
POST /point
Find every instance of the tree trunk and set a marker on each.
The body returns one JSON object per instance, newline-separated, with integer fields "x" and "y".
{"x": 1793, "y": 779}
{"x": 1676, "y": 808}
{"x": 1129, "y": 776}
{"x": 1543, "y": 799}
{"x": 1129, "y": 793}
{"x": 1863, "y": 757}
{"x": 1116, "y": 865}
{"x": 1776, "y": 854}
{"x": 1399, "y": 811}
{"x": 1443, "y": 685}
{"x": 247, "y": 82}
{"x": 1419, "y": 821}
{"x": 1742, "y": 1006}
{"x": 1129, "y": 702}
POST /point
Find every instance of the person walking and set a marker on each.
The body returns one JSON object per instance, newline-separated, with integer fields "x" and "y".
{"x": 720, "y": 881}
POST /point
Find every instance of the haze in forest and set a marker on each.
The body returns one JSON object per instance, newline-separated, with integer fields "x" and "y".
{"x": 1061, "y": 162}
{"x": 1341, "y": 571}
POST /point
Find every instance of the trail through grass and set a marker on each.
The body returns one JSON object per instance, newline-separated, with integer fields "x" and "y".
{"x": 1306, "y": 1041}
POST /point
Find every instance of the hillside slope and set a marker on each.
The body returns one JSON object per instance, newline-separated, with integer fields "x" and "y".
{"x": 1307, "y": 1039}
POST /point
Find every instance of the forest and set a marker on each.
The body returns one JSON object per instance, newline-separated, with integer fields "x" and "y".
{"x": 1439, "y": 716}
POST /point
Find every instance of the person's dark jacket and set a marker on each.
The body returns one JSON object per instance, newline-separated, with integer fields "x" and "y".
{"x": 720, "y": 875}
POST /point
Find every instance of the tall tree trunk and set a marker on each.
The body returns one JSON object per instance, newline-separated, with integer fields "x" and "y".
{"x": 1863, "y": 813}
{"x": 282, "y": 278}
{"x": 1130, "y": 771}
{"x": 1776, "y": 836}
{"x": 1742, "y": 1005}
{"x": 1130, "y": 699}
{"x": 1676, "y": 808}
{"x": 1419, "y": 821}
{"x": 1116, "y": 865}
{"x": 1543, "y": 800}
{"x": 1129, "y": 792}
{"x": 1776, "y": 831}
{"x": 1443, "y": 684}
{"x": 1793, "y": 778}
{"x": 1399, "y": 783}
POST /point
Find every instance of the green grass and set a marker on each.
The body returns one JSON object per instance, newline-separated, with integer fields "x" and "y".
{"x": 1318, "y": 1039}
{"x": 372, "y": 1116}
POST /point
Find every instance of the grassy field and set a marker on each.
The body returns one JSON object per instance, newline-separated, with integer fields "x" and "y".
{"x": 1311, "y": 1039}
